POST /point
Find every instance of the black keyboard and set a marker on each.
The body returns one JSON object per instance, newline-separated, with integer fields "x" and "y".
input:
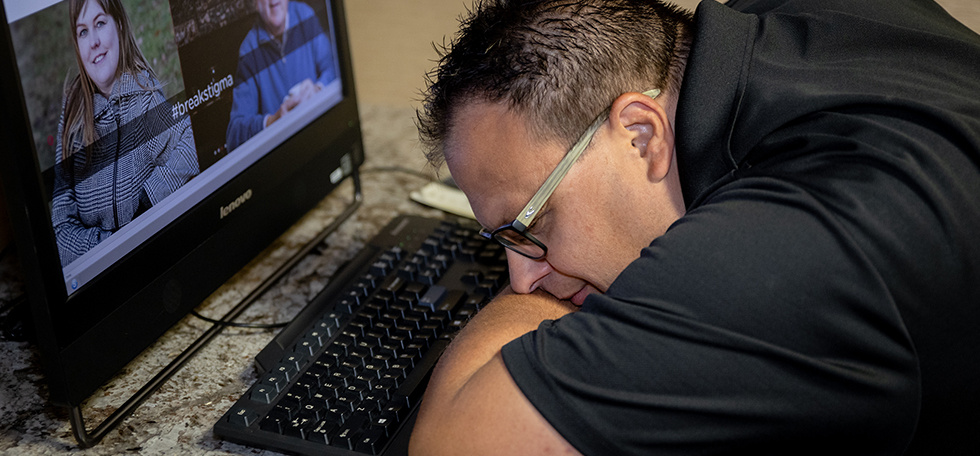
{"x": 346, "y": 376}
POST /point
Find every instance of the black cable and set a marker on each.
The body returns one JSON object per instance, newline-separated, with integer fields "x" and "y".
{"x": 240, "y": 325}
{"x": 398, "y": 169}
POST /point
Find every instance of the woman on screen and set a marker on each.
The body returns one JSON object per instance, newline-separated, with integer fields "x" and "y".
{"x": 120, "y": 149}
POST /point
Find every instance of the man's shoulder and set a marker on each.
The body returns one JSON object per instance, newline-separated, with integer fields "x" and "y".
{"x": 794, "y": 7}
{"x": 251, "y": 40}
{"x": 300, "y": 9}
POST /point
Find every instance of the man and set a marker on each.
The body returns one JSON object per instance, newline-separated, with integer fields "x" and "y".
{"x": 768, "y": 246}
{"x": 283, "y": 61}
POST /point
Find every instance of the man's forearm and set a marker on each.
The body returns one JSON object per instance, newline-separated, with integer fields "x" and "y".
{"x": 447, "y": 396}
{"x": 506, "y": 318}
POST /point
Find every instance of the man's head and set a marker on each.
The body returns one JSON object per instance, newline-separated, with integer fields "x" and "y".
{"x": 273, "y": 14}
{"x": 518, "y": 87}
{"x": 557, "y": 63}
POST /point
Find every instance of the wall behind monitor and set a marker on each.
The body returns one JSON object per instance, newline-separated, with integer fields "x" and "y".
{"x": 392, "y": 40}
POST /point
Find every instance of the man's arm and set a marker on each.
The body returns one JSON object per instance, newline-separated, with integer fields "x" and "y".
{"x": 472, "y": 406}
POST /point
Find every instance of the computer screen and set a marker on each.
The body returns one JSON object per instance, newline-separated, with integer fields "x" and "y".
{"x": 153, "y": 148}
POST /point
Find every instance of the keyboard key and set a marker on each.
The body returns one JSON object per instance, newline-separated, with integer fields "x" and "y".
{"x": 299, "y": 428}
{"x": 364, "y": 286}
{"x": 303, "y": 389}
{"x": 433, "y": 296}
{"x": 390, "y": 287}
{"x": 367, "y": 408}
{"x": 243, "y": 416}
{"x": 442, "y": 261}
{"x": 274, "y": 380}
{"x": 323, "y": 431}
{"x": 274, "y": 422}
{"x": 397, "y": 407}
{"x": 371, "y": 441}
{"x": 385, "y": 386}
{"x": 331, "y": 385}
{"x": 415, "y": 290}
{"x": 263, "y": 394}
{"x": 346, "y": 401}
{"x": 286, "y": 410}
{"x": 348, "y": 433}
{"x": 322, "y": 398}
{"x": 472, "y": 277}
{"x": 396, "y": 252}
{"x": 344, "y": 342}
{"x": 347, "y": 305}
{"x": 342, "y": 374}
{"x": 307, "y": 347}
{"x": 387, "y": 422}
{"x": 428, "y": 276}
{"x": 408, "y": 271}
{"x": 357, "y": 388}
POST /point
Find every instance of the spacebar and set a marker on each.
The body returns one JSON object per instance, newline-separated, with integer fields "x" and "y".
{"x": 414, "y": 384}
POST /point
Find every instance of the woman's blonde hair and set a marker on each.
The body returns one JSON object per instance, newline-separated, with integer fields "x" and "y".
{"x": 79, "y": 116}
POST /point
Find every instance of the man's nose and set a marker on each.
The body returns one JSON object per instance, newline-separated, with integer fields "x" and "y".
{"x": 526, "y": 274}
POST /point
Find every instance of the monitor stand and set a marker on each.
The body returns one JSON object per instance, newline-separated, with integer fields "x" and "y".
{"x": 88, "y": 439}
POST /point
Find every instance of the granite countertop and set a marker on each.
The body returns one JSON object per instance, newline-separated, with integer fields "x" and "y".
{"x": 177, "y": 419}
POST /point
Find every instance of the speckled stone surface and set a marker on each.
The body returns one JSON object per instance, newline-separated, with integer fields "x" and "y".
{"x": 178, "y": 418}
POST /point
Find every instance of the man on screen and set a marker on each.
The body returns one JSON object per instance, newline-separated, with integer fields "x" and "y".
{"x": 284, "y": 60}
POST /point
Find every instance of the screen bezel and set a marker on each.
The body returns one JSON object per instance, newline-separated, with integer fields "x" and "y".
{"x": 158, "y": 283}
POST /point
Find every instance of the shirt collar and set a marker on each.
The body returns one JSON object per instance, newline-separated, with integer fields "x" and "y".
{"x": 264, "y": 35}
{"x": 127, "y": 84}
{"x": 711, "y": 92}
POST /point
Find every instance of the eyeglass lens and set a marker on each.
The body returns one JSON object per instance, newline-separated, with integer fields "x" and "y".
{"x": 518, "y": 242}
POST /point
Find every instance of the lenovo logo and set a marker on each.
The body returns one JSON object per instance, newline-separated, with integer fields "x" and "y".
{"x": 225, "y": 210}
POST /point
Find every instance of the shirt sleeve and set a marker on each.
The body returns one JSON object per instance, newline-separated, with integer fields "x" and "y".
{"x": 245, "y": 119}
{"x": 719, "y": 339}
{"x": 319, "y": 45}
{"x": 326, "y": 72}
{"x": 72, "y": 236}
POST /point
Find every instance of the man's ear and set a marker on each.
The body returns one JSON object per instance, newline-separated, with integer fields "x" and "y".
{"x": 648, "y": 129}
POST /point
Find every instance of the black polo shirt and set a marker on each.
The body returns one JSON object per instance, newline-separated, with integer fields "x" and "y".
{"x": 822, "y": 294}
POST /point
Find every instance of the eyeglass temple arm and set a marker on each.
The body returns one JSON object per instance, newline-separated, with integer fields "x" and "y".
{"x": 533, "y": 206}
{"x": 548, "y": 187}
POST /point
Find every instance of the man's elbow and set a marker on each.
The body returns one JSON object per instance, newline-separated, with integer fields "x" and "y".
{"x": 424, "y": 439}
{"x": 438, "y": 417}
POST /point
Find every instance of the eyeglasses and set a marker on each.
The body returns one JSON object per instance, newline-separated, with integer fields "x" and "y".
{"x": 514, "y": 235}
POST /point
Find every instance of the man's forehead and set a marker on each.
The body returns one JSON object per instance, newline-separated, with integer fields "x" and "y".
{"x": 472, "y": 129}
{"x": 477, "y": 125}
{"x": 475, "y": 116}
{"x": 495, "y": 160}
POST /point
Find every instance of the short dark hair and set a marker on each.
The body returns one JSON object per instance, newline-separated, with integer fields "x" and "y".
{"x": 557, "y": 63}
